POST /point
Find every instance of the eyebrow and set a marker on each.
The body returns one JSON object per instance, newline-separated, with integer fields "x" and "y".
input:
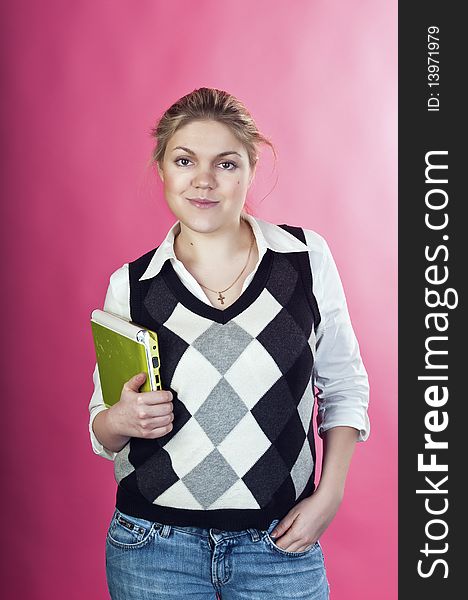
{"x": 217, "y": 156}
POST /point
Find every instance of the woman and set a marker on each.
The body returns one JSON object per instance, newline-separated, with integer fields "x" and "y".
{"x": 216, "y": 494}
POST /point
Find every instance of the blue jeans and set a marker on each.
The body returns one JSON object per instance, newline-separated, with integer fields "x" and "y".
{"x": 148, "y": 560}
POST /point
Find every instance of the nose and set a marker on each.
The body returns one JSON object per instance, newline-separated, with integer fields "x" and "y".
{"x": 204, "y": 179}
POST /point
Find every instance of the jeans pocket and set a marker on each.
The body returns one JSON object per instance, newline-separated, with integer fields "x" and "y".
{"x": 273, "y": 545}
{"x": 129, "y": 532}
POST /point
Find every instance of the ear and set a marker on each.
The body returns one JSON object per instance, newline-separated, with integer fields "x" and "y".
{"x": 160, "y": 171}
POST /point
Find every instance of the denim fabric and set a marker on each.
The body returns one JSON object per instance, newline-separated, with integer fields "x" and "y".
{"x": 148, "y": 560}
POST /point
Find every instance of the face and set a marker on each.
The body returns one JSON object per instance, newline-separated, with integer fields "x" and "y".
{"x": 204, "y": 160}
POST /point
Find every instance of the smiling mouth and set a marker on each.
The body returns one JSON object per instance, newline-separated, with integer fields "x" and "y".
{"x": 202, "y": 202}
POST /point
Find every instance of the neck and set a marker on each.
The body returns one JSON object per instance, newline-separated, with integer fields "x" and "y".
{"x": 224, "y": 244}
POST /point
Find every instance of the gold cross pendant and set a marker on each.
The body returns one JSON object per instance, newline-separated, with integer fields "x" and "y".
{"x": 221, "y": 298}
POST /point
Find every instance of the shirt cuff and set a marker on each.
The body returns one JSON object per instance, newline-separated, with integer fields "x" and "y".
{"x": 98, "y": 448}
{"x": 334, "y": 417}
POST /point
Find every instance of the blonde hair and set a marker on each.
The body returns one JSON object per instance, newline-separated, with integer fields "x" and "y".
{"x": 209, "y": 104}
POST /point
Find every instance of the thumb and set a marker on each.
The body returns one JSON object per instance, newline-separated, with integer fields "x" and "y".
{"x": 281, "y": 527}
{"x": 135, "y": 382}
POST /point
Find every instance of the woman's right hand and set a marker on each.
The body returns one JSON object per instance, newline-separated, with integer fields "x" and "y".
{"x": 146, "y": 415}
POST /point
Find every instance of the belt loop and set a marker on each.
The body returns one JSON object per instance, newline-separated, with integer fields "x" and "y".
{"x": 165, "y": 530}
{"x": 254, "y": 534}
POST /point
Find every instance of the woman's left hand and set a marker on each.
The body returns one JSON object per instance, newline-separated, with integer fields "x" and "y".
{"x": 305, "y": 523}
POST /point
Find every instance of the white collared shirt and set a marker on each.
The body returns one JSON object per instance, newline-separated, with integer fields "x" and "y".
{"x": 339, "y": 373}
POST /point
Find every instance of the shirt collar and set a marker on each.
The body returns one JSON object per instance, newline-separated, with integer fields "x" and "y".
{"x": 267, "y": 235}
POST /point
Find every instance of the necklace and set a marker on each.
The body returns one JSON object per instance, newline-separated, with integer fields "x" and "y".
{"x": 220, "y": 297}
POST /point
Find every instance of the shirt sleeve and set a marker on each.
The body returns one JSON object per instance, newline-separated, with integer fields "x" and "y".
{"x": 339, "y": 373}
{"x": 117, "y": 301}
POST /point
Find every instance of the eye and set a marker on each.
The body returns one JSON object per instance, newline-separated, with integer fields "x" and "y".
{"x": 179, "y": 159}
{"x": 229, "y": 162}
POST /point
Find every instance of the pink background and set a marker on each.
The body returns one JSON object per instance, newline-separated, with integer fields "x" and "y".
{"x": 83, "y": 84}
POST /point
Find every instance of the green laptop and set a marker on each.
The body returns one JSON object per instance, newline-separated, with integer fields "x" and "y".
{"x": 123, "y": 349}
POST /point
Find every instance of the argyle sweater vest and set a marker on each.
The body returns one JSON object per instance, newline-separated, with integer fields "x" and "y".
{"x": 241, "y": 451}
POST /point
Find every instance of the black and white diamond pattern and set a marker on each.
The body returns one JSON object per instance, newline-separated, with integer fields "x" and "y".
{"x": 244, "y": 402}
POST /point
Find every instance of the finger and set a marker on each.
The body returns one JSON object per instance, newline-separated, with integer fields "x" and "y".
{"x": 282, "y": 527}
{"x": 156, "y": 397}
{"x": 158, "y": 431}
{"x": 155, "y": 418}
{"x": 302, "y": 547}
{"x": 299, "y": 545}
{"x": 134, "y": 384}
{"x": 286, "y": 543}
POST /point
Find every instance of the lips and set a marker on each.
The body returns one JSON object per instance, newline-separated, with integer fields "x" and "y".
{"x": 202, "y": 202}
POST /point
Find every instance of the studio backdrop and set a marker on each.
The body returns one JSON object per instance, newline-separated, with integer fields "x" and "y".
{"x": 83, "y": 83}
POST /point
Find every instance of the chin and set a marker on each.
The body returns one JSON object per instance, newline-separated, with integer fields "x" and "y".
{"x": 202, "y": 220}
{"x": 202, "y": 224}
{"x": 197, "y": 222}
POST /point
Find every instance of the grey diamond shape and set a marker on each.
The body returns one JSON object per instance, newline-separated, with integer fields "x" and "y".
{"x": 221, "y": 412}
{"x": 222, "y": 344}
{"x": 201, "y": 483}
